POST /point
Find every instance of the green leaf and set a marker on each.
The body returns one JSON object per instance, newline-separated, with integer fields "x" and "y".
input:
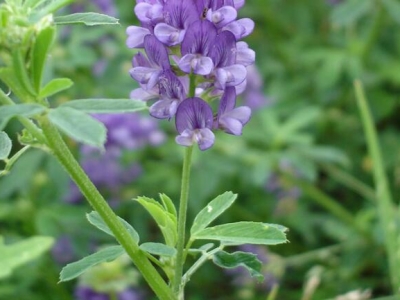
{"x": 158, "y": 249}
{"x": 55, "y": 86}
{"x": 77, "y": 268}
{"x": 89, "y": 19}
{"x": 27, "y": 110}
{"x": 165, "y": 220}
{"x": 168, "y": 204}
{"x": 8, "y": 76}
{"x": 350, "y": 11}
{"x": 5, "y": 145}
{"x": 214, "y": 209}
{"x": 95, "y": 219}
{"x": 17, "y": 254}
{"x": 21, "y": 72}
{"x": 393, "y": 9}
{"x": 244, "y": 233}
{"x": 50, "y": 7}
{"x": 79, "y": 126}
{"x": 40, "y": 49}
{"x": 99, "y": 106}
{"x": 239, "y": 259}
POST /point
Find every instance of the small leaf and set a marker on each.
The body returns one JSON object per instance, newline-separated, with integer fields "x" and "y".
{"x": 213, "y": 209}
{"x": 9, "y": 77}
{"x": 77, "y": 268}
{"x": 158, "y": 249}
{"x": 350, "y": 11}
{"x": 17, "y": 254}
{"x": 27, "y": 110}
{"x": 79, "y": 126}
{"x": 244, "y": 233}
{"x": 393, "y": 9}
{"x": 21, "y": 72}
{"x": 55, "y": 86}
{"x": 89, "y": 19}
{"x": 168, "y": 204}
{"x": 166, "y": 221}
{"x": 95, "y": 219}
{"x": 40, "y": 49}
{"x": 239, "y": 259}
{"x": 5, "y": 145}
{"x": 98, "y": 106}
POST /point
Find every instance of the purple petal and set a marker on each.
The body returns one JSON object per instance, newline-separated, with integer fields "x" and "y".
{"x": 180, "y": 13}
{"x": 193, "y": 113}
{"x": 230, "y": 76}
{"x": 203, "y": 137}
{"x": 171, "y": 87}
{"x": 199, "y": 38}
{"x": 149, "y": 13}
{"x": 139, "y": 60}
{"x": 223, "y": 52}
{"x": 168, "y": 34}
{"x": 141, "y": 94}
{"x": 147, "y": 76}
{"x": 238, "y": 4}
{"x": 164, "y": 109}
{"x": 244, "y": 55}
{"x": 136, "y": 36}
{"x": 240, "y": 28}
{"x": 201, "y": 65}
{"x": 231, "y": 125}
{"x": 156, "y": 52}
{"x": 222, "y": 16}
{"x": 228, "y": 100}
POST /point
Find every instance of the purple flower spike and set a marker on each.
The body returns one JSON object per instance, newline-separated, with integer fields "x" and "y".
{"x": 194, "y": 120}
{"x": 232, "y": 119}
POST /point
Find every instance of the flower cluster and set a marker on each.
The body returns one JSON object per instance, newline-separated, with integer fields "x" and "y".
{"x": 193, "y": 56}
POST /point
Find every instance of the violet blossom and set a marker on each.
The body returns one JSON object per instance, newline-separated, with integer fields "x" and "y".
{"x": 193, "y": 56}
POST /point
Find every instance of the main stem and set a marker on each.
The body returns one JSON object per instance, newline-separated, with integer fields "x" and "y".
{"x": 183, "y": 204}
{"x": 96, "y": 200}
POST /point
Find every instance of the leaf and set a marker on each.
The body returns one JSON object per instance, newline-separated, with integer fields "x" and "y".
{"x": 77, "y": 268}
{"x": 239, "y": 259}
{"x": 21, "y": 73}
{"x": 8, "y": 76}
{"x": 213, "y": 209}
{"x": 168, "y": 204}
{"x": 244, "y": 233}
{"x": 17, "y": 254}
{"x": 350, "y": 11}
{"x": 89, "y": 19}
{"x": 50, "y": 7}
{"x": 27, "y": 110}
{"x": 40, "y": 49}
{"x": 5, "y": 145}
{"x": 95, "y": 219}
{"x": 393, "y": 9}
{"x": 99, "y": 106}
{"x": 79, "y": 126}
{"x": 158, "y": 249}
{"x": 55, "y": 86}
{"x": 166, "y": 221}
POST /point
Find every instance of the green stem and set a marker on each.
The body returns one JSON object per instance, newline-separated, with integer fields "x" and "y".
{"x": 312, "y": 256}
{"x": 96, "y": 200}
{"x": 387, "y": 211}
{"x": 183, "y": 204}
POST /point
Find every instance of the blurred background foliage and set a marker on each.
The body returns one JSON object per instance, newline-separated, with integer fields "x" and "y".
{"x": 301, "y": 162}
